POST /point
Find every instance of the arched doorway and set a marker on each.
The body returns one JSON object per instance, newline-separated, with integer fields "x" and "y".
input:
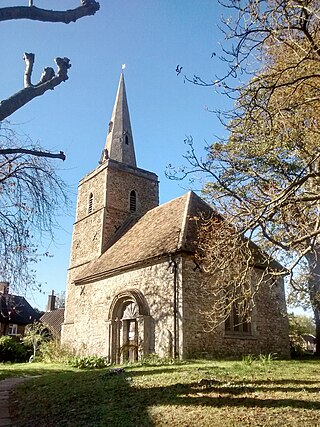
{"x": 129, "y": 327}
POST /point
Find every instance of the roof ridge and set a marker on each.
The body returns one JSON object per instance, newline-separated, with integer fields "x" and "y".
{"x": 183, "y": 231}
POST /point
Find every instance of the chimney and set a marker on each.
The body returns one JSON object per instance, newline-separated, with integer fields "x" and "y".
{"x": 4, "y": 288}
{"x": 51, "y": 302}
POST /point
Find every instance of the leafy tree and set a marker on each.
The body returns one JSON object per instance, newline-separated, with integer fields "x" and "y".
{"x": 35, "y": 334}
{"x": 265, "y": 177}
{"x": 31, "y": 192}
{"x": 300, "y": 325}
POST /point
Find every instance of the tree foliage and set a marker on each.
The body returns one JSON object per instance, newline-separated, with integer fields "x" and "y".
{"x": 35, "y": 334}
{"x": 300, "y": 324}
{"x": 265, "y": 177}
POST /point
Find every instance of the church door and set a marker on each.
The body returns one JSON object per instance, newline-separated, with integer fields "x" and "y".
{"x": 129, "y": 321}
{"x": 130, "y": 337}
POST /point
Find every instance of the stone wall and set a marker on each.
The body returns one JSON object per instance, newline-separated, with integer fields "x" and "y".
{"x": 91, "y": 305}
{"x": 110, "y": 184}
{"x": 121, "y": 180}
{"x": 269, "y": 322}
{"x": 87, "y": 231}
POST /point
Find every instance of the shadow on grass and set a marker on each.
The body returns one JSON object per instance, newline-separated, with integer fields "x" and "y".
{"x": 287, "y": 381}
{"x": 95, "y": 398}
{"x": 8, "y": 370}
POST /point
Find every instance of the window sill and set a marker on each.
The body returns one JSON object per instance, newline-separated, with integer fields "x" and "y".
{"x": 240, "y": 337}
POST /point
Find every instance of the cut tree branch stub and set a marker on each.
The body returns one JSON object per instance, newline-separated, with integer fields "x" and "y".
{"x": 49, "y": 80}
{"x": 87, "y": 8}
{"x": 36, "y": 153}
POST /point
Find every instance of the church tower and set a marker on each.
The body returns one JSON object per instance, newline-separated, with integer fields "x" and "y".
{"x": 110, "y": 198}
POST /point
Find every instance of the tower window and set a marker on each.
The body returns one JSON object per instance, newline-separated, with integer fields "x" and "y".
{"x": 126, "y": 139}
{"x": 133, "y": 201}
{"x": 110, "y": 126}
{"x": 90, "y": 205}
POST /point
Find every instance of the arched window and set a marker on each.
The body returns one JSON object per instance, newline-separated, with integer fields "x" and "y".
{"x": 238, "y": 323}
{"x": 110, "y": 126}
{"x": 126, "y": 139}
{"x": 133, "y": 201}
{"x": 90, "y": 205}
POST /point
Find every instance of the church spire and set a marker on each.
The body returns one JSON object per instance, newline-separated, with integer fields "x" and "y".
{"x": 119, "y": 143}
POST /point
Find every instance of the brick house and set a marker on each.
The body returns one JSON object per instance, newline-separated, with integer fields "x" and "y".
{"x": 133, "y": 285}
{"x": 15, "y": 312}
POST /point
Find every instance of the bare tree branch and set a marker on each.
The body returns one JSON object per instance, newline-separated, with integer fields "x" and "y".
{"x": 87, "y": 8}
{"x": 36, "y": 153}
{"x": 48, "y": 81}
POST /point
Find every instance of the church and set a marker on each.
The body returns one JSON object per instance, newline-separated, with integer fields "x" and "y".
{"x": 133, "y": 285}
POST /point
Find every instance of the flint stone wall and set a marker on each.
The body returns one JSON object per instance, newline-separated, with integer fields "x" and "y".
{"x": 269, "y": 322}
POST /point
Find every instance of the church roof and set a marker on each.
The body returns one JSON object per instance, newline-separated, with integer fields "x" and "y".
{"x": 119, "y": 144}
{"x": 165, "y": 229}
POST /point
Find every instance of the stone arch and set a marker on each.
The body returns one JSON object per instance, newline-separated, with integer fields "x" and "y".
{"x": 129, "y": 295}
{"x": 129, "y": 326}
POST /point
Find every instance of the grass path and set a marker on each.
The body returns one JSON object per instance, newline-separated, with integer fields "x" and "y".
{"x": 202, "y": 393}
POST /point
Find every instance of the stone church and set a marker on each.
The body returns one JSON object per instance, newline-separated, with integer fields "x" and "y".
{"x": 133, "y": 285}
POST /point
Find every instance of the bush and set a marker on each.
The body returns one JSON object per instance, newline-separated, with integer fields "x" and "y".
{"x": 53, "y": 352}
{"x": 298, "y": 346}
{"x": 88, "y": 362}
{"x": 14, "y": 351}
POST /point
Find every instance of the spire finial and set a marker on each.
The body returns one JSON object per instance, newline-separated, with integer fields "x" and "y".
{"x": 123, "y": 67}
{"x": 119, "y": 144}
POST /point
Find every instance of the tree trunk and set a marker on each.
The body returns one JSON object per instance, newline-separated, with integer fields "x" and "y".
{"x": 316, "y": 312}
{"x": 314, "y": 290}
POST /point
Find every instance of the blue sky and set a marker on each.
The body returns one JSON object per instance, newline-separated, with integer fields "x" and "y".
{"x": 151, "y": 37}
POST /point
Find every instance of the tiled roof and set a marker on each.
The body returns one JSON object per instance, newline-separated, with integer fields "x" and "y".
{"x": 165, "y": 229}
{"x": 54, "y": 319}
{"x": 16, "y": 309}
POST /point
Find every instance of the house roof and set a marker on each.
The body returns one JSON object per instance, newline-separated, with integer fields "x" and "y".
{"x": 165, "y": 229}
{"x": 54, "y": 319}
{"x": 16, "y": 309}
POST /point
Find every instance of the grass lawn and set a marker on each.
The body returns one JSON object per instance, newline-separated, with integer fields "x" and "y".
{"x": 201, "y": 393}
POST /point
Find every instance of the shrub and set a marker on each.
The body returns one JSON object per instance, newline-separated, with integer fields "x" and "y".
{"x": 53, "y": 352}
{"x": 298, "y": 346}
{"x": 88, "y": 362}
{"x": 13, "y": 351}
